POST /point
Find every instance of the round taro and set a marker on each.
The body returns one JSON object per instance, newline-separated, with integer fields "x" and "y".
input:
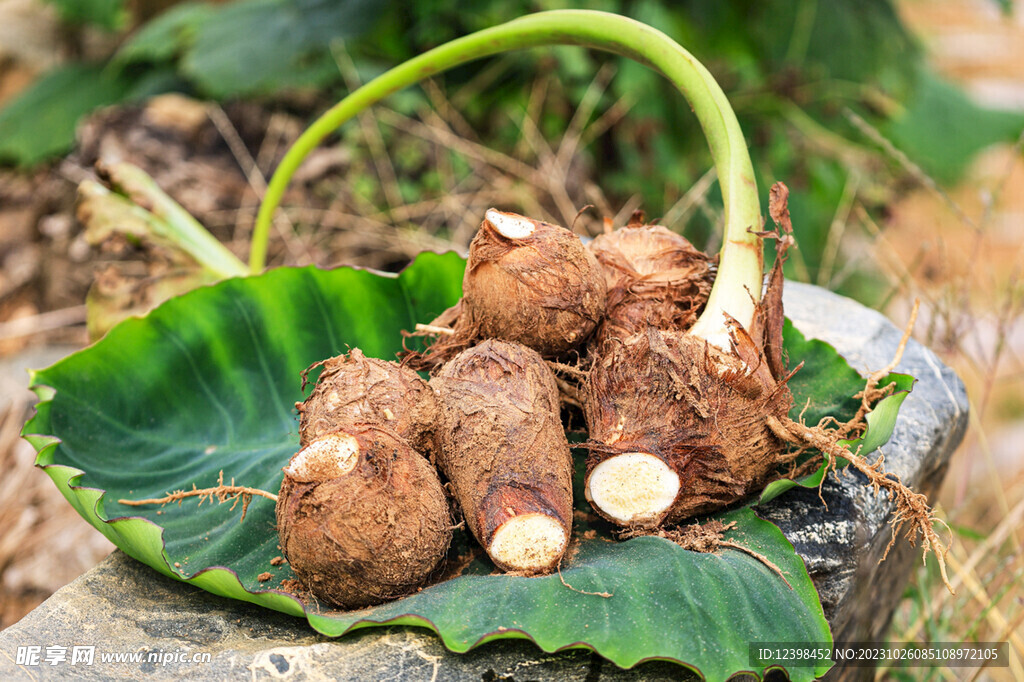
{"x": 654, "y": 278}
{"x": 533, "y": 283}
{"x": 362, "y": 518}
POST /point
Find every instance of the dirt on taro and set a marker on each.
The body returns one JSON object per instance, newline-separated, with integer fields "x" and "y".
{"x": 958, "y": 249}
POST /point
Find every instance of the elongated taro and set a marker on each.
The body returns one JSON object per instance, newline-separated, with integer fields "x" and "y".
{"x": 502, "y": 445}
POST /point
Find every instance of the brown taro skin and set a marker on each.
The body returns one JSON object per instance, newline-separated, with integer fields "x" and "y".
{"x": 354, "y": 389}
{"x": 362, "y": 518}
{"x": 502, "y": 444}
{"x": 654, "y": 278}
{"x": 699, "y": 410}
{"x": 544, "y": 290}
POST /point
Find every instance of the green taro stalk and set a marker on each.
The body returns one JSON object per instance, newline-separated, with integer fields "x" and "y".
{"x": 738, "y": 285}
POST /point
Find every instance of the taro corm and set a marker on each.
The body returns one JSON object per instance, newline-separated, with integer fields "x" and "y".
{"x": 354, "y": 389}
{"x": 654, "y": 278}
{"x": 679, "y": 426}
{"x": 502, "y": 445}
{"x": 526, "y": 281}
{"x": 362, "y": 518}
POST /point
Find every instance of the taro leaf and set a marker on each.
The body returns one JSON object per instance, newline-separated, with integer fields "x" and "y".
{"x": 825, "y": 369}
{"x": 825, "y": 385}
{"x": 207, "y": 383}
{"x": 166, "y": 36}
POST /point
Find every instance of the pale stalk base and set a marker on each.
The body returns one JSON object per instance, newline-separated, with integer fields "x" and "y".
{"x": 632, "y": 489}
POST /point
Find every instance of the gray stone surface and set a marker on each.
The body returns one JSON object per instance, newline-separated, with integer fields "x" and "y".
{"x": 124, "y": 607}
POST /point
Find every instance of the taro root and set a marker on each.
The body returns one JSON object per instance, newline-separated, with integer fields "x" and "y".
{"x": 354, "y": 389}
{"x": 684, "y": 423}
{"x": 362, "y": 518}
{"x": 502, "y": 445}
{"x": 677, "y": 428}
{"x": 526, "y": 281}
{"x": 533, "y": 283}
{"x": 654, "y": 278}
{"x": 687, "y": 423}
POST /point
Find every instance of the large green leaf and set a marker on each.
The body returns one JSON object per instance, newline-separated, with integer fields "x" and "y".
{"x": 207, "y": 383}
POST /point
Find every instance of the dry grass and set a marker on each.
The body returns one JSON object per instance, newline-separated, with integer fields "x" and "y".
{"x": 962, "y": 252}
{"x": 949, "y": 250}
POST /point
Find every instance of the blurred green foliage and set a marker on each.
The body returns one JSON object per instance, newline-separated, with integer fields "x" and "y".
{"x": 109, "y": 15}
{"x": 941, "y": 129}
{"x": 40, "y": 123}
{"x": 253, "y": 47}
{"x": 798, "y": 72}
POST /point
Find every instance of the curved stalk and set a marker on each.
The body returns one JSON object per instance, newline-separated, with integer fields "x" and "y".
{"x": 738, "y": 283}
